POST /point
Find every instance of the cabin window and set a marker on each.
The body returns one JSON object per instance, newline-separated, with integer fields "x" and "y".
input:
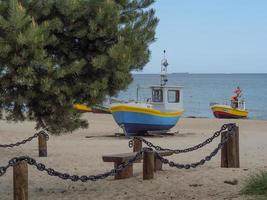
{"x": 173, "y": 96}
{"x": 157, "y": 95}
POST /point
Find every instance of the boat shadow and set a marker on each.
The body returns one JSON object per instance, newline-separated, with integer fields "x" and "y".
{"x": 148, "y": 135}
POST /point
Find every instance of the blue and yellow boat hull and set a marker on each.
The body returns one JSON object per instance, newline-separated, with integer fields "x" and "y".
{"x": 139, "y": 120}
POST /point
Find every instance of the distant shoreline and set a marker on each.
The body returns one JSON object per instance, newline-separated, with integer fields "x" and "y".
{"x": 189, "y": 73}
{"x": 212, "y": 118}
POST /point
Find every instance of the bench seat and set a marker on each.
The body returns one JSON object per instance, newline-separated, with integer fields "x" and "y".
{"x": 124, "y": 157}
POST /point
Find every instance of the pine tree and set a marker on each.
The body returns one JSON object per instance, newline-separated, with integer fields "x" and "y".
{"x": 54, "y": 53}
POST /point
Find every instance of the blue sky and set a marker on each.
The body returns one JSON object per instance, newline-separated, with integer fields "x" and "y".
{"x": 211, "y": 36}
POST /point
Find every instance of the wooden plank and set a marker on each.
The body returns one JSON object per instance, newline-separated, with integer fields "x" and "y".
{"x": 230, "y": 152}
{"x": 157, "y": 164}
{"x": 224, "y": 163}
{"x": 137, "y": 145}
{"x": 42, "y": 145}
{"x": 148, "y": 165}
{"x": 118, "y": 158}
{"x": 125, "y": 173}
{"x": 237, "y": 147}
{"x": 233, "y": 150}
{"x": 123, "y": 157}
{"x": 20, "y": 181}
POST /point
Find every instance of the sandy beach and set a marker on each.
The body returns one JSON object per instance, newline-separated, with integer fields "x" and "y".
{"x": 81, "y": 153}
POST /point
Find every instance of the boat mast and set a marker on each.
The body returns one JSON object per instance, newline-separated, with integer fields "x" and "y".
{"x": 163, "y": 73}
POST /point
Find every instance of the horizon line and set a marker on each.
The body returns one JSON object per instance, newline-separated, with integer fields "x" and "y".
{"x": 264, "y": 73}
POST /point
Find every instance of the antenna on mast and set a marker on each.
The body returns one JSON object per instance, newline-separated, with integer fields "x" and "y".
{"x": 163, "y": 73}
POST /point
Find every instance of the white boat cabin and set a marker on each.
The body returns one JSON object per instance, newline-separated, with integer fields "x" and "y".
{"x": 167, "y": 98}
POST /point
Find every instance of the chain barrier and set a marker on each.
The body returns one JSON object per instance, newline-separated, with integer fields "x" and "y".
{"x": 65, "y": 176}
{"x": 229, "y": 134}
{"x": 26, "y": 140}
{"x": 228, "y": 128}
{"x": 224, "y": 128}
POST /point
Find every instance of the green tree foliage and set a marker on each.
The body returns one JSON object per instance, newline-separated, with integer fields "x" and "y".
{"x": 54, "y": 53}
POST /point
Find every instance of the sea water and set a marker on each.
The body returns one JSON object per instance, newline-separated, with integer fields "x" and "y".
{"x": 202, "y": 89}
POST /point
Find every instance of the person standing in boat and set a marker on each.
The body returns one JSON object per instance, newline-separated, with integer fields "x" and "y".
{"x": 238, "y": 91}
{"x": 234, "y": 99}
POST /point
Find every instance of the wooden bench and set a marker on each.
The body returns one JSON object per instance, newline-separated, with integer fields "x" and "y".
{"x": 124, "y": 157}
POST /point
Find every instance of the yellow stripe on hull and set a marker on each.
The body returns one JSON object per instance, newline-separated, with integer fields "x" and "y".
{"x": 230, "y": 110}
{"x": 150, "y": 111}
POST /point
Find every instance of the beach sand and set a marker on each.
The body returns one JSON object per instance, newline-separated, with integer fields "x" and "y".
{"x": 81, "y": 153}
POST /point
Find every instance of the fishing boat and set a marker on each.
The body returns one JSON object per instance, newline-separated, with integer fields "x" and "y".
{"x": 82, "y": 107}
{"x": 226, "y": 111}
{"x": 158, "y": 114}
{"x": 230, "y": 111}
{"x": 103, "y": 109}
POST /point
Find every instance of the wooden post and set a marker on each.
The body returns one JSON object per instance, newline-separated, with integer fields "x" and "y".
{"x": 137, "y": 146}
{"x": 230, "y": 151}
{"x": 157, "y": 164}
{"x": 224, "y": 162}
{"x": 42, "y": 145}
{"x": 148, "y": 165}
{"x": 20, "y": 181}
{"x": 237, "y": 146}
{"x": 125, "y": 173}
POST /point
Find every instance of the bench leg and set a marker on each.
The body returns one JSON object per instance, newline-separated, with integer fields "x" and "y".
{"x": 125, "y": 173}
{"x": 157, "y": 164}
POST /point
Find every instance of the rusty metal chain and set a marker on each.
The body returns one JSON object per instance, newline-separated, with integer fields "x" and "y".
{"x": 65, "y": 176}
{"x": 26, "y": 140}
{"x": 202, "y": 161}
{"x": 224, "y": 128}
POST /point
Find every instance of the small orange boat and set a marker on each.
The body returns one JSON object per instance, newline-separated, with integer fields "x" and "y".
{"x": 236, "y": 110}
{"x": 225, "y": 111}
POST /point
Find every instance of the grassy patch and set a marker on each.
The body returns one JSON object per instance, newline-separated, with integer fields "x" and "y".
{"x": 256, "y": 184}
